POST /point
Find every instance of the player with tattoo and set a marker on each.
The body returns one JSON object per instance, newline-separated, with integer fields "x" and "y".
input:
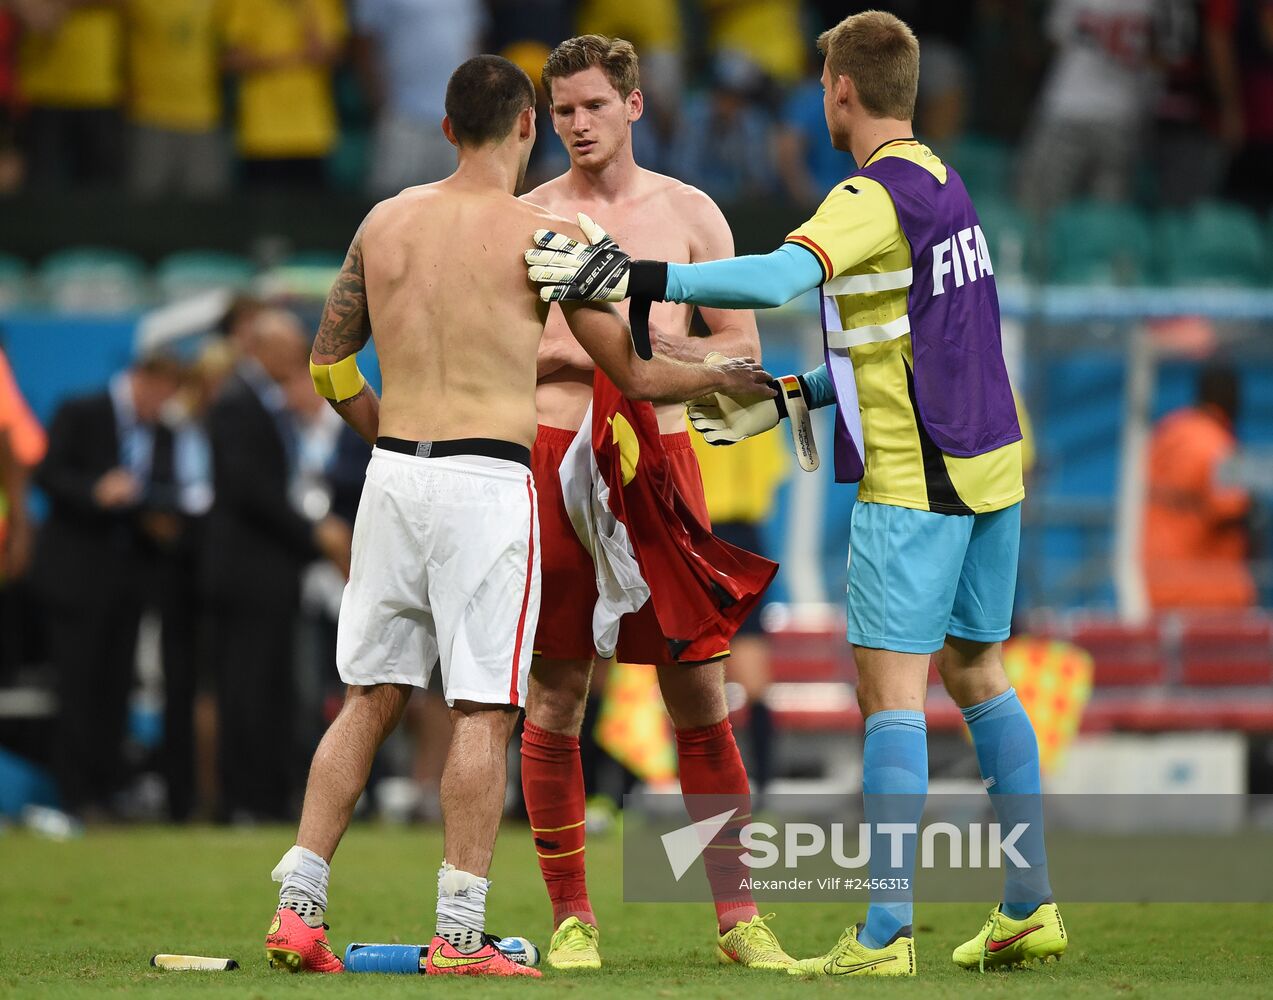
{"x": 446, "y": 552}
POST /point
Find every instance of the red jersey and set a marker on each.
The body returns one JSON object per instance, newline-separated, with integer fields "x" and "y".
{"x": 701, "y": 588}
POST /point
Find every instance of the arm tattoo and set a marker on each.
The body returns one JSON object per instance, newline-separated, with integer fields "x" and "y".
{"x": 342, "y": 404}
{"x": 346, "y": 325}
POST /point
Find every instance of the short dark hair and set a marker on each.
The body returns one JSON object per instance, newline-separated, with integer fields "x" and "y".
{"x": 241, "y": 307}
{"x": 1219, "y": 386}
{"x": 615, "y": 57}
{"x": 484, "y": 97}
{"x": 159, "y": 363}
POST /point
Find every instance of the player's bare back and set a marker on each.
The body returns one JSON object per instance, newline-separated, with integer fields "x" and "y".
{"x": 456, "y": 324}
{"x": 651, "y": 221}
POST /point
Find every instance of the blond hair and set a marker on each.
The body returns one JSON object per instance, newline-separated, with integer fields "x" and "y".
{"x": 613, "y": 56}
{"x": 880, "y": 54}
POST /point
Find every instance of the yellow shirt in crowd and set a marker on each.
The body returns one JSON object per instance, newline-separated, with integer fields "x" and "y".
{"x": 768, "y": 32}
{"x": 174, "y": 63}
{"x": 649, "y": 24}
{"x": 79, "y": 64}
{"x": 740, "y": 481}
{"x": 289, "y": 111}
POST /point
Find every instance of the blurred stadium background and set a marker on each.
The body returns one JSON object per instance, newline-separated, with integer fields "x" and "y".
{"x": 171, "y": 168}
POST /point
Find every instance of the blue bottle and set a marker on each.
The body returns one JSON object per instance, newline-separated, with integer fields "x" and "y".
{"x": 401, "y": 958}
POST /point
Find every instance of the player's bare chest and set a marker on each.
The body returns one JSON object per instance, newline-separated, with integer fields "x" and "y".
{"x": 654, "y": 235}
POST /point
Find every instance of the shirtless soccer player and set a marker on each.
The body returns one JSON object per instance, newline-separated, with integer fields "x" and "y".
{"x": 593, "y": 85}
{"x": 925, "y": 420}
{"x": 445, "y": 554}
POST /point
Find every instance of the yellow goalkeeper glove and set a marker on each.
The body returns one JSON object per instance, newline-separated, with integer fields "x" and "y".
{"x": 727, "y": 419}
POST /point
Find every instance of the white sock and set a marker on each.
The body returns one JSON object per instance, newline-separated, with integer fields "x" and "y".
{"x": 461, "y": 908}
{"x": 304, "y": 875}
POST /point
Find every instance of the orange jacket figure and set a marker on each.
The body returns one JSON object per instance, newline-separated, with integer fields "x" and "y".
{"x": 1195, "y": 546}
{"x": 26, "y": 436}
{"x": 22, "y": 449}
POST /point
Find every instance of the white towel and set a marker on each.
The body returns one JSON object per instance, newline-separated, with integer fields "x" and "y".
{"x": 620, "y": 587}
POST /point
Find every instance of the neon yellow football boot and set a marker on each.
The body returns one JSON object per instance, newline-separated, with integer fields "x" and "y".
{"x": 1040, "y": 937}
{"x": 852, "y": 958}
{"x": 574, "y": 946}
{"x": 753, "y": 945}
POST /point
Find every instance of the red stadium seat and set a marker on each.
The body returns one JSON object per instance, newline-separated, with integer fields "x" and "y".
{"x": 1123, "y": 713}
{"x": 1135, "y": 689}
{"x": 1178, "y": 713}
{"x": 1227, "y": 651}
{"x": 1122, "y": 655}
{"x": 811, "y": 655}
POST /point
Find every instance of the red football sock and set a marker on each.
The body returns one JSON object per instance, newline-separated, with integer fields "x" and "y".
{"x": 713, "y": 781}
{"x": 552, "y": 784}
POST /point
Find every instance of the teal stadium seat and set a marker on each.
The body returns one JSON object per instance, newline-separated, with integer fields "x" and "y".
{"x": 1212, "y": 244}
{"x": 986, "y": 165}
{"x": 1098, "y": 243}
{"x": 191, "y": 272}
{"x": 1268, "y": 277}
{"x": 1010, "y": 237}
{"x": 347, "y": 164}
{"x": 306, "y": 274}
{"x": 92, "y": 280}
{"x": 14, "y": 284}
{"x": 326, "y": 260}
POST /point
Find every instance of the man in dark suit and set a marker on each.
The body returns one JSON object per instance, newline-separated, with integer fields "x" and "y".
{"x": 109, "y": 462}
{"x": 258, "y": 544}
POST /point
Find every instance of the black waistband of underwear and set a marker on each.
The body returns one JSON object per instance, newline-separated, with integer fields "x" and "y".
{"x": 487, "y": 447}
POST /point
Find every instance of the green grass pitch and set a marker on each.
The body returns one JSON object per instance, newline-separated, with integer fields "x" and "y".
{"x": 83, "y": 918}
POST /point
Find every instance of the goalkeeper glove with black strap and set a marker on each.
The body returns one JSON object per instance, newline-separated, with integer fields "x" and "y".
{"x": 597, "y": 271}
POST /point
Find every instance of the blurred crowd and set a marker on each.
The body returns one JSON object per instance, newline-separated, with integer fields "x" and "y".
{"x": 1162, "y": 100}
{"x": 211, "y": 492}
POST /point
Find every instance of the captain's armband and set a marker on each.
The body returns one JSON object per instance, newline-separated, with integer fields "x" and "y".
{"x": 339, "y": 381}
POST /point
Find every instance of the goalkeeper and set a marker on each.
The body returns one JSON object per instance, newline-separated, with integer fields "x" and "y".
{"x": 925, "y": 420}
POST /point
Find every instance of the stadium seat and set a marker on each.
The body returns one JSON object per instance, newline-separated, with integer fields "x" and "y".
{"x": 810, "y": 655}
{"x": 1098, "y": 243}
{"x": 1010, "y": 236}
{"x": 306, "y": 274}
{"x": 814, "y": 674}
{"x": 1227, "y": 651}
{"x": 13, "y": 282}
{"x": 1122, "y": 655}
{"x": 984, "y": 164}
{"x": 191, "y": 272}
{"x": 812, "y": 668}
{"x": 347, "y": 164}
{"x": 1178, "y": 713}
{"x": 317, "y": 259}
{"x": 92, "y": 280}
{"x": 1268, "y": 277}
{"x": 1212, "y": 244}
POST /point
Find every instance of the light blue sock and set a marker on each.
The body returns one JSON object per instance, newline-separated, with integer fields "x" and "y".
{"x": 1008, "y": 755}
{"x": 894, "y": 784}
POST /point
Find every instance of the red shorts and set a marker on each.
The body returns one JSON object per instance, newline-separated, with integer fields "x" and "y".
{"x": 569, "y": 578}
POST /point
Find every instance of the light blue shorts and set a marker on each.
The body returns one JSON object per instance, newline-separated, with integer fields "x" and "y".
{"x": 916, "y": 577}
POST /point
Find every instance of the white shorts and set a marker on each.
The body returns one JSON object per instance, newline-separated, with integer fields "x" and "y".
{"x": 445, "y": 569}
